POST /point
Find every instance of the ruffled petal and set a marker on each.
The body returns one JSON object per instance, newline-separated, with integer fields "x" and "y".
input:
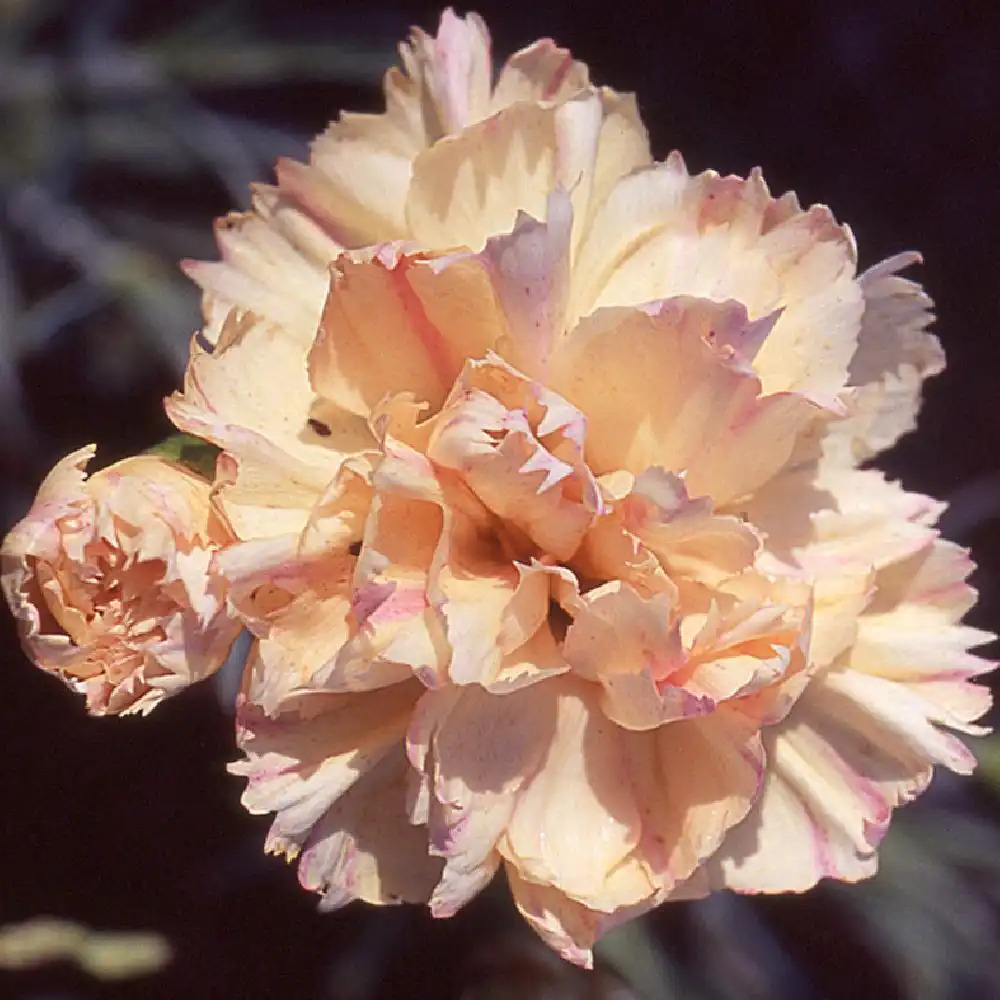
{"x": 274, "y": 264}
{"x": 475, "y": 751}
{"x": 530, "y": 272}
{"x": 250, "y": 395}
{"x": 663, "y": 233}
{"x": 299, "y": 762}
{"x": 658, "y": 538}
{"x": 693, "y": 781}
{"x": 657, "y": 392}
{"x": 472, "y": 185}
{"x": 518, "y": 447}
{"x": 895, "y": 355}
{"x": 364, "y": 846}
{"x": 910, "y": 635}
{"x": 576, "y": 823}
{"x": 854, "y": 749}
{"x": 398, "y": 323}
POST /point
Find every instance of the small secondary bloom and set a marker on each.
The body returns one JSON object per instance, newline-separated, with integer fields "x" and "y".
{"x": 108, "y": 578}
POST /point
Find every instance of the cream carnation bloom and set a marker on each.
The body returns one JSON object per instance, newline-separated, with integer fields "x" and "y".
{"x": 108, "y": 578}
{"x": 551, "y": 533}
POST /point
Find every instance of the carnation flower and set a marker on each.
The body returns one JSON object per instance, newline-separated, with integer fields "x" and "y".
{"x": 108, "y": 578}
{"x": 542, "y": 459}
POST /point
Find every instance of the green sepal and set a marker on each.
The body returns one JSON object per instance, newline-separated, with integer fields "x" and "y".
{"x": 192, "y": 452}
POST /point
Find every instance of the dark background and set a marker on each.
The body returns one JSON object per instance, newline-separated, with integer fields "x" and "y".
{"x": 887, "y": 111}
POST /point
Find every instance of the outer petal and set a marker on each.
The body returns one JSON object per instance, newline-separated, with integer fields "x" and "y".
{"x": 355, "y": 185}
{"x": 895, "y": 354}
{"x": 476, "y": 750}
{"x": 364, "y": 846}
{"x": 470, "y": 186}
{"x": 682, "y": 788}
{"x": 576, "y": 824}
{"x": 301, "y": 761}
{"x": 274, "y": 263}
{"x": 662, "y": 233}
{"x": 693, "y": 780}
{"x": 656, "y": 392}
{"x": 852, "y": 750}
{"x": 910, "y": 636}
{"x": 540, "y": 72}
{"x": 353, "y": 191}
{"x": 566, "y": 926}
{"x": 250, "y": 395}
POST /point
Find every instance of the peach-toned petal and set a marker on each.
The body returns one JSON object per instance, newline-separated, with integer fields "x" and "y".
{"x": 663, "y": 233}
{"x": 852, "y": 751}
{"x": 540, "y": 72}
{"x": 829, "y": 521}
{"x": 472, "y": 185}
{"x": 295, "y": 593}
{"x": 656, "y": 668}
{"x": 658, "y": 538}
{"x": 693, "y": 780}
{"x": 250, "y": 395}
{"x": 631, "y": 646}
{"x": 301, "y": 761}
{"x": 575, "y": 823}
{"x": 568, "y": 927}
{"x": 491, "y": 430}
{"x": 895, "y": 354}
{"x": 401, "y": 323}
{"x": 530, "y": 271}
{"x": 910, "y": 635}
{"x": 274, "y": 264}
{"x": 656, "y": 392}
{"x": 394, "y": 626}
{"x": 475, "y": 750}
{"x": 364, "y": 846}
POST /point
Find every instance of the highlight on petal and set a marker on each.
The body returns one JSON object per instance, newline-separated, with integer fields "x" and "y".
{"x": 472, "y": 185}
{"x": 110, "y": 581}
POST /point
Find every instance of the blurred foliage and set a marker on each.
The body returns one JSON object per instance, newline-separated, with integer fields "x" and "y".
{"x": 108, "y": 955}
{"x": 113, "y": 161}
